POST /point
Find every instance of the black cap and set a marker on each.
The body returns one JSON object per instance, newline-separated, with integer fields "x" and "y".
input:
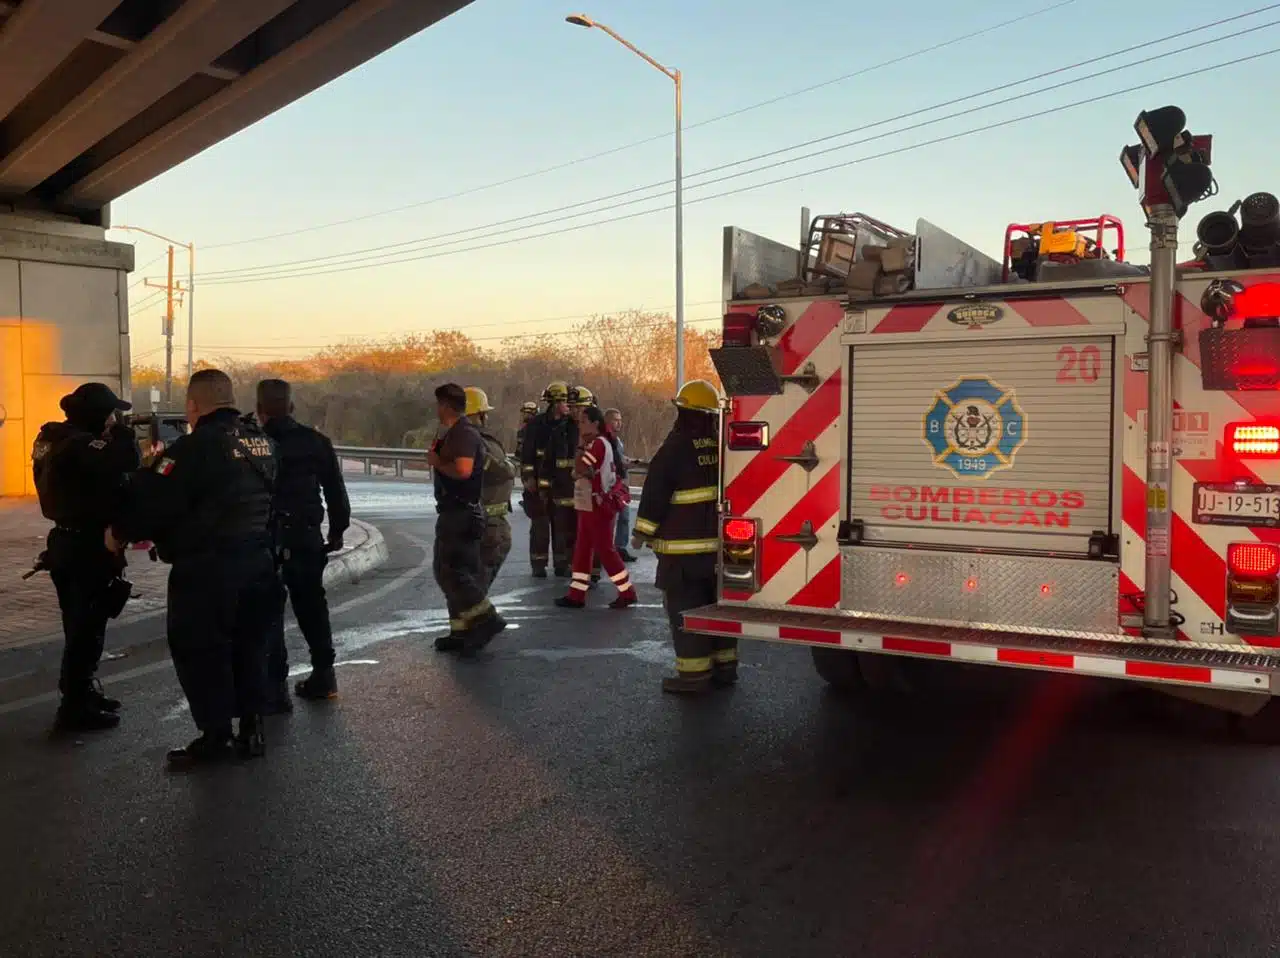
{"x": 94, "y": 397}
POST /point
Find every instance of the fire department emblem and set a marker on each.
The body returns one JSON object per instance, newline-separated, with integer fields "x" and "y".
{"x": 975, "y": 428}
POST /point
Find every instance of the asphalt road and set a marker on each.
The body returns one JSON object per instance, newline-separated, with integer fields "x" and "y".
{"x": 548, "y": 801}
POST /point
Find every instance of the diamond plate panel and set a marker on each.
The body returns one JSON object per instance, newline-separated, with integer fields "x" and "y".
{"x": 1023, "y": 593}
{"x": 747, "y": 370}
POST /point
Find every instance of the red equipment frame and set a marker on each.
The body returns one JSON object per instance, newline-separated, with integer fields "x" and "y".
{"x": 1099, "y": 223}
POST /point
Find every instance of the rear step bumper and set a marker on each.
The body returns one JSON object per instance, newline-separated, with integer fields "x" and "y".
{"x": 1219, "y": 666}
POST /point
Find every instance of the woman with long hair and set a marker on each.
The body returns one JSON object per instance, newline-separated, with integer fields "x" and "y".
{"x": 598, "y": 495}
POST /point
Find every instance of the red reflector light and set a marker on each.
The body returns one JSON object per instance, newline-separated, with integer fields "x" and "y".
{"x": 1253, "y": 439}
{"x": 748, "y": 435}
{"x": 1256, "y": 560}
{"x": 739, "y": 530}
{"x": 1046, "y": 589}
{"x": 971, "y": 584}
{"x": 738, "y": 328}
{"x": 901, "y": 578}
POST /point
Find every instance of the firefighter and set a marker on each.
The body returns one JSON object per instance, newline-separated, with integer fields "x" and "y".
{"x": 79, "y": 468}
{"x": 495, "y": 491}
{"x": 537, "y": 469}
{"x": 600, "y": 492}
{"x": 457, "y": 461}
{"x": 527, "y": 411}
{"x": 677, "y": 518}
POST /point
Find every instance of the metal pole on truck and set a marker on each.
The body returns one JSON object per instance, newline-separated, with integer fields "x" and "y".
{"x": 582, "y": 20}
{"x": 1170, "y": 170}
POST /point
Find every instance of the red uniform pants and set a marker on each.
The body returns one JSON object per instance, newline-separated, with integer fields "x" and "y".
{"x": 595, "y": 538}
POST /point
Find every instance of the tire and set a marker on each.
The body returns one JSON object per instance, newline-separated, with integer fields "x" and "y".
{"x": 840, "y": 669}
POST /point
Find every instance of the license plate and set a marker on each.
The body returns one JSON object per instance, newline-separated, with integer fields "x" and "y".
{"x": 1234, "y": 504}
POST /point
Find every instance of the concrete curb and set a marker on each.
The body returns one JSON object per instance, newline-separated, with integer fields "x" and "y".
{"x": 351, "y": 565}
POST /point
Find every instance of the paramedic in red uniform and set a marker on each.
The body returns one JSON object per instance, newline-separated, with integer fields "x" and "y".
{"x": 678, "y": 519}
{"x": 599, "y": 492}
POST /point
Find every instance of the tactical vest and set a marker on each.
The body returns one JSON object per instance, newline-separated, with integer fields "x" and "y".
{"x": 57, "y": 498}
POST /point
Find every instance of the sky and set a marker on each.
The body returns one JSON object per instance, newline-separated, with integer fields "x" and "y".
{"x": 428, "y": 150}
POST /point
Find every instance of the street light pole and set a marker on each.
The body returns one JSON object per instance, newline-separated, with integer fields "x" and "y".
{"x": 582, "y": 20}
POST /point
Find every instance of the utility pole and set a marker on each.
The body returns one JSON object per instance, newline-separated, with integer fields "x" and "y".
{"x": 168, "y": 328}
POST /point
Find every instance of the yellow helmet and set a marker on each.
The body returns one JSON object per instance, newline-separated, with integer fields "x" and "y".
{"x": 581, "y": 396}
{"x": 698, "y": 395}
{"x": 556, "y": 392}
{"x": 477, "y": 401}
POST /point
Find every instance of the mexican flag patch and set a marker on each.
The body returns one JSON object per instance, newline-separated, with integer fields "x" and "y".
{"x": 164, "y": 467}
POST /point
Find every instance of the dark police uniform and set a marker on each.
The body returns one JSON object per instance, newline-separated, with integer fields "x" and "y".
{"x": 538, "y": 503}
{"x": 678, "y": 518}
{"x": 206, "y": 504}
{"x": 460, "y": 525}
{"x": 308, "y": 466}
{"x": 79, "y": 476}
{"x": 498, "y": 483}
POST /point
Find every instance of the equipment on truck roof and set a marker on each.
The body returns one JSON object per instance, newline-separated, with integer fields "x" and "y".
{"x": 1060, "y": 242}
{"x": 1251, "y": 242}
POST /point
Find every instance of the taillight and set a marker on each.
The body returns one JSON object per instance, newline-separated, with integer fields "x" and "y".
{"x": 1253, "y": 589}
{"x": 740, "y": 555}
{"x": 748, "y": 436}
{"x": 738, "y": 329}
{"x": 1253, "y": 560}
{"x": 1259, "y": 440}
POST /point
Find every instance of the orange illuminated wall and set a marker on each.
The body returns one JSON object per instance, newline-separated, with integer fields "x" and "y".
{"x": 60, "y": 325}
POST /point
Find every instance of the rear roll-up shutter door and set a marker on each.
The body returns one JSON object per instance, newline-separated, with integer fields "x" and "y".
{"x": 996, "y": 444}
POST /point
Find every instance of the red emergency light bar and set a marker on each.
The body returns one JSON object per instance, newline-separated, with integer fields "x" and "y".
{"x": 1251, "y": 440}
{"x": 1253, "y": 560}
{"x": 739, "y": 530}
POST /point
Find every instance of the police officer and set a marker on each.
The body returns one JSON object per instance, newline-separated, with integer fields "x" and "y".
{"x": 677, "y": 518}
{"x": 496, "y": 489}
{"x": 546, "y": 427}
{"x": 457, "y": 461}
{"x": 308, "y": 466}
{"x": 79, "y": 466}
{"x": 206, "y": 503}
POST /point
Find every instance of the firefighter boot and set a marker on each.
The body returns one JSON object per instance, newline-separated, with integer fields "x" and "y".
{"x": 693, "y": 677}
{"x": 562, "y": 571}
{"x": 449, "y": 643}
{"x": 724, "y": 668}
{"x": 482, "y": 632}
{"x": 320, "y": 684}
{"x": 252, "y": 740}
{"x": 539, "y": 572}
{"x": 211, "y": 747}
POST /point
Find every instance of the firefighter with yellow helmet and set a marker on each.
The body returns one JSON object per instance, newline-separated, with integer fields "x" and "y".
{"x": 498, "y": 482}
{"x": 678, "y": 519}
{"x": 548, "y": 437}
{"x": 527, "y": 411}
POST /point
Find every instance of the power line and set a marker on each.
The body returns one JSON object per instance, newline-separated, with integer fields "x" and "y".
{"x": 650, "y": 139}
{"x": 754, "y": 186}
{"x": 426, "y": 243}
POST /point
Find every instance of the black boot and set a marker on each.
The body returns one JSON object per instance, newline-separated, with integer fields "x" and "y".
{"x": 562, "y": 572}
{"x": 320, "y": 684}
{"x": 626, "y": 556}
{"x": 279, "y": 702}
{"x": 99, "y": 699}
{"x": 209, "y": 749}
{"x": 723, "y": 676}
{"x": 251, "y": 742}
{"x": 449, "y": 643}
{"x": 83, "y": 715}
{"x": 482, "y": 632}
{"x": 687, "y": 683}
{"x": 540, "y": 572}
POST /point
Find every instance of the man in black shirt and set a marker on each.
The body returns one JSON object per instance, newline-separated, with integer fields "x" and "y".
{"x": 79, "y": 467}
{"x": 206, "y": 504}
{"x": 308, "y": 466}
{"x": 457, "y": 461}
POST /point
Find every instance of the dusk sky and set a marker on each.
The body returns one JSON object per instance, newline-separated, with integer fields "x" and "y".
{"x": 505, "y": 88}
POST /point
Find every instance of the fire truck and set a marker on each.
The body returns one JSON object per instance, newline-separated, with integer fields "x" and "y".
{"x": 1061, "y": 462}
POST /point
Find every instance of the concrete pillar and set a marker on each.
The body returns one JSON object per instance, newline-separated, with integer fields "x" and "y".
{"x": 64, "y": 320}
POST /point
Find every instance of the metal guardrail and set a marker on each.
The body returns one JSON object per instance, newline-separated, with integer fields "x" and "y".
{"x": 398, "y": 457}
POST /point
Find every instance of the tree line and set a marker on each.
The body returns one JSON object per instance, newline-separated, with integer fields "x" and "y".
{"x": 380, "y": 393}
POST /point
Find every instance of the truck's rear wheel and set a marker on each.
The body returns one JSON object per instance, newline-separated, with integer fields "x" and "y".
{"x": 840, "y": 668}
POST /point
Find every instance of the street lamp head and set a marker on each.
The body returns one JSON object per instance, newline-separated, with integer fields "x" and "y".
{"x": 580, "y": 20}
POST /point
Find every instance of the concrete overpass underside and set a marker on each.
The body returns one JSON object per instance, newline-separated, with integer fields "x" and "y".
{"x": 96, "y": 98}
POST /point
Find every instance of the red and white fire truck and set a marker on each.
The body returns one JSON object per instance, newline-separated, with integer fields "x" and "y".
{"x": 952, "y": 462}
